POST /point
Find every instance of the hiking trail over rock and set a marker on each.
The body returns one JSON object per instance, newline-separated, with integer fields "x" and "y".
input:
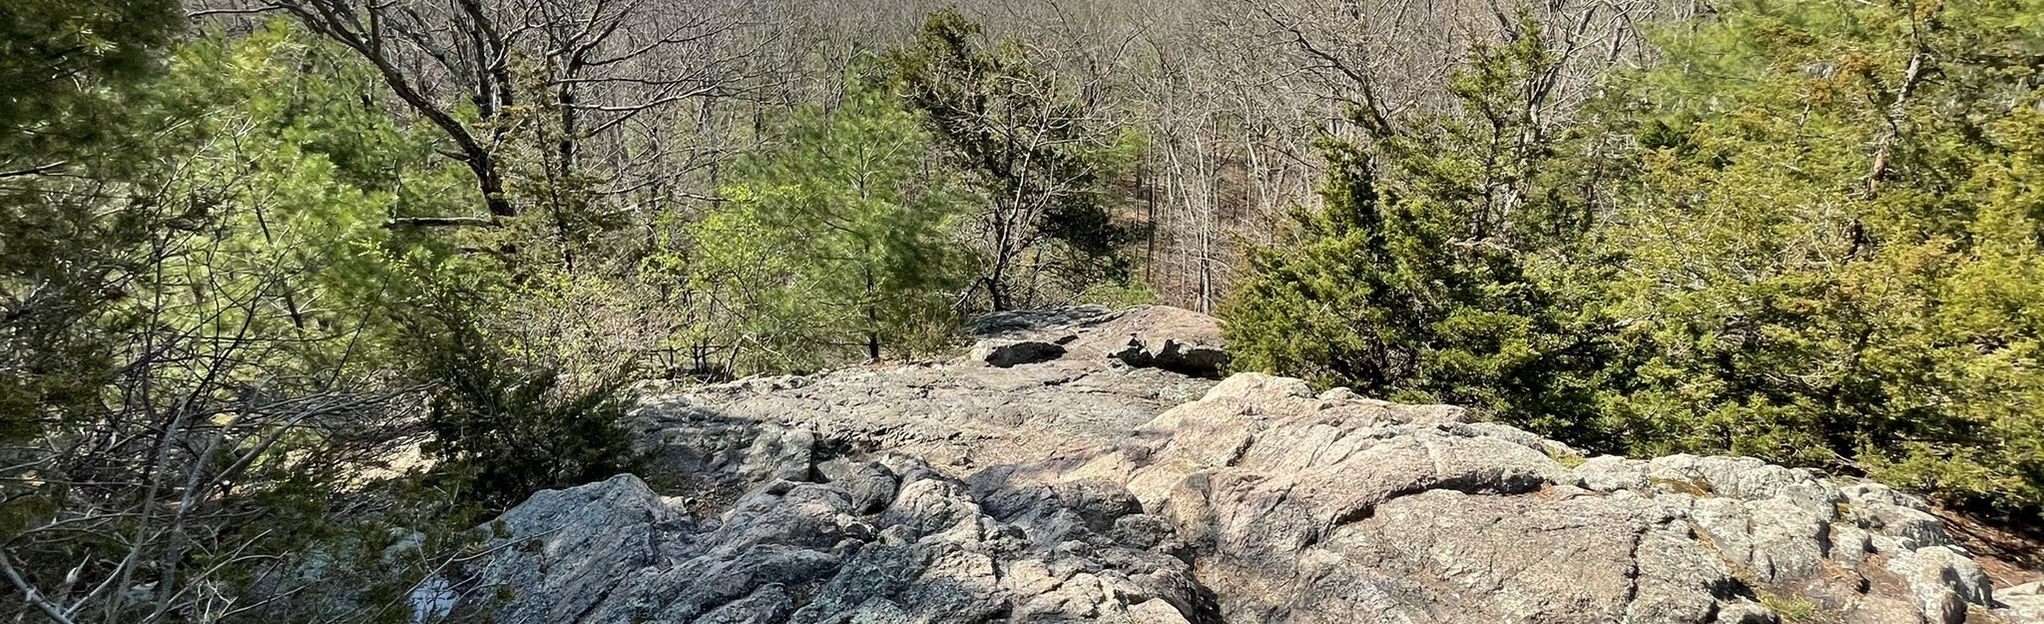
{"x": 1089, "y": 465}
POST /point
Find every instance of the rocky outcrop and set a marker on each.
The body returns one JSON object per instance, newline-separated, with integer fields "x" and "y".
{"x": 1368, "y": 511}
{"x": 997, "y": 405}
{"x": 1163, "y": 337}
{"x": 1011, "y": 353}
{"x": 1095, "y": 486}
{"x": 803, "y": 552}
{"x": 2025, "y": 603}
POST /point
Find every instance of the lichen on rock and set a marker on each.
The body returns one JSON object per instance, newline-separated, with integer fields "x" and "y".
{"x": 1083, "y": 488}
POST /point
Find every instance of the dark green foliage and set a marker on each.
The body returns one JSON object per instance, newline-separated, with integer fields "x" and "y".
{"x": 501, "y": 427}
{"x": 1822, "y": 248}
{"x": 1042, "y": 159}
{"x": 1834, "y": 259}
{"x": 1419, "y": 278}
{"x": 65, "y": 67}
{"x": 68, "y": 71}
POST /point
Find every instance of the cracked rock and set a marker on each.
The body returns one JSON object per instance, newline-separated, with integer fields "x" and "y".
{"x": 1103, "y": 485}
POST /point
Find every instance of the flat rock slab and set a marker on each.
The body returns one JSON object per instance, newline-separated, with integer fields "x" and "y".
{"x": 1009, "y": 402}
{"x": 1083, "y": 487}
{"x": 1163, "y": 337}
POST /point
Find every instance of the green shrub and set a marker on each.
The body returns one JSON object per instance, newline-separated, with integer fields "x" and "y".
{"x": 1820, "y": 243}
{"x": 502, "y": 427}
{"x": 1438, "y": 270}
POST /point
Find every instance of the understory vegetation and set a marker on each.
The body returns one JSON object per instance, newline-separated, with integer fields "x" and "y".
{"x": 1810, "y": 233}
{"x": 294, "y": 293}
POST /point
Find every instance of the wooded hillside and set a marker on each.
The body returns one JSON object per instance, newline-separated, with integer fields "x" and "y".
{"x": 296, "y": 280}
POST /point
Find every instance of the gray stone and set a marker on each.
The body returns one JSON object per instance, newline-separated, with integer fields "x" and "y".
{"x": 2021, "y": 604}
{"x": 1850, "y": 545}
{"x": 1789, "y": 540}
{"x": 871, "y": 484}
{"x": 1143, "y": 531}
{"x": 1884, "y": 609}
{"x": 1155, "y": 612}
{"x": 1012, "y": 323}
{"x": 565, "y": 548}
{"x": 770, "y": 604}
{"x": 1171, "y": 355}
{"x": 1887, "y": 518}
{"x": 1942, "y": 582}
{"x": 1610, "y": 473}
{"x": 1105, "y": 485}
{"x": 779, "y": 454}
{"x": 1745, "y": 612}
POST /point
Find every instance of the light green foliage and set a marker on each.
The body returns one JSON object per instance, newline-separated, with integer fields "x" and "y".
{"x": 837, "y": 239}
{"x": 1822, "y": 249}
{"x": 1791, "y": 609}
{"x": 562, "y": 219}
{"x": 1420, "y": 278}
{"x": 68, "y": 70}
{"x": 1834, "y": 257}
{"x": 1042, "y": 158}
{"x": 1119, "y": 295}
{"x": 297, "y": 172}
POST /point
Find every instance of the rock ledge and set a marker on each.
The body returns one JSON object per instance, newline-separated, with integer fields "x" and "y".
{"x": 1100, "y": 483}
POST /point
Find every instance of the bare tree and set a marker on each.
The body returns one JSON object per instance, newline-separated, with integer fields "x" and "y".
{"x": 142, "y": 506}
{"x": 547, "y": 94}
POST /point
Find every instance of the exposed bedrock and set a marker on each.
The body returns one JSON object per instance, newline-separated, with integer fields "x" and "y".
{"x": 1096, "y": 485}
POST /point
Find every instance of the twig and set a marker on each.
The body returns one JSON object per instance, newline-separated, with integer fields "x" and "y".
{"x": 28, "y": 593}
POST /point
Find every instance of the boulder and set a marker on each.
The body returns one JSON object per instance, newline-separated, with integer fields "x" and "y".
{"x": 1164, "y": 337}
{"x": 1114, "y": 482}
{"x": 2022, "y": 604}
{"x": 871, "y": 484}
{"x": 614, "y": 553}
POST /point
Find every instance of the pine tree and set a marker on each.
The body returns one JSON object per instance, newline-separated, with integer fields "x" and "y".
{"x": 69, "y": 71}
{"x": 1834, "y": 251}
{"x": 1042, "y": 158}
{"x": 1446, "y": 261}
{"x": 839, "y": 236}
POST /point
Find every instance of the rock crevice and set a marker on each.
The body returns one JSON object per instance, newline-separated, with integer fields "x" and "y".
{"x": 1109, "y": 479}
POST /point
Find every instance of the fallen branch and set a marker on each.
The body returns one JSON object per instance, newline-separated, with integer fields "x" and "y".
{"x": 29, "y": 593}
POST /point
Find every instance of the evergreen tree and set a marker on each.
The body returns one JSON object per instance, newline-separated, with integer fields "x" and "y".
{"x": 188, "y": 304}
{"x": 69, "y": 71}
{"x": 839, "y": 236}
{"x": 1835, "y": 244}
{"x": 505, "y": 427}
{"x": 65, "y": 68}
{"x": 1042, "y": 158}
{"x": 1448, "y": 262}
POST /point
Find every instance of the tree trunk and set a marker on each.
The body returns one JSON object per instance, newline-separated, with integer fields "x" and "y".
{"x": 872, "y": 320}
